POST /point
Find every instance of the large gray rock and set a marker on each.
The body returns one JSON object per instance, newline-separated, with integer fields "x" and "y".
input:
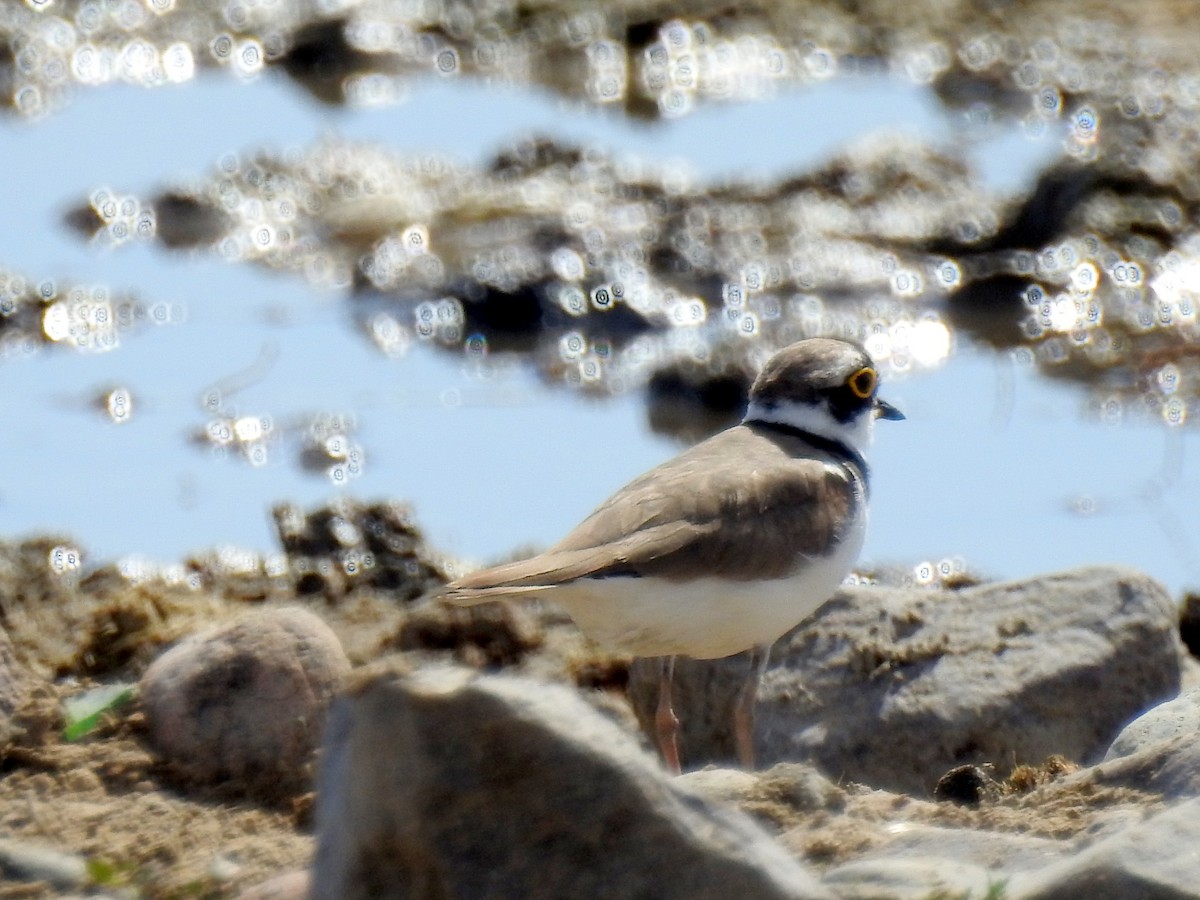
{"x": 1000, "y": 853}
{"x": 1170, "y": 768}
{"x": 909, "y": 879}
{"x": 892, "y": 687}
{"x": 922, "y": 861}
{"x": 446, "y": 783}
{"x": 1175, "y": 717}
{"x": 1156, "y": 858}
{"x": 244, "y": 704}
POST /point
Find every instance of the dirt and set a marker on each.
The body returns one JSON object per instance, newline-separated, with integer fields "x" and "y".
{"x": 146, "y": 831}
{"x": 107, "y": 799}
{"x": 847, "y": 822}
{"x": 142, "y": 827}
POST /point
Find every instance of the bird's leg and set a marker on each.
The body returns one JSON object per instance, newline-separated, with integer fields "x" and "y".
{"x": 743, "y": 710}
{"x": 666, "y": 724}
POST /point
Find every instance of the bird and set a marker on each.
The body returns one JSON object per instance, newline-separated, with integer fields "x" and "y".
{"x": 728, "y": 545}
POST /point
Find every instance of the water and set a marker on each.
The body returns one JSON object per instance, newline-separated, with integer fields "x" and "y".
{"x": 996, "y": 468}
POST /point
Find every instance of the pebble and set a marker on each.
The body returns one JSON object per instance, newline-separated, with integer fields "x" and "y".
{"x": 246, "y": 702}
{"x": 28, "y": 861}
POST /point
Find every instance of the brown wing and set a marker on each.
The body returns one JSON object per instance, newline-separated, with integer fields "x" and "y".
{"x": 740, "y": 504}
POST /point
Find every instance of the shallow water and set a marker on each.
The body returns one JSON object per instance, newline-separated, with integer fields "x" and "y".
{"x": 998, "y": 468}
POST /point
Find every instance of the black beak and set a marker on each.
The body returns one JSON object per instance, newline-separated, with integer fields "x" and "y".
{"x": 885, "y": 410}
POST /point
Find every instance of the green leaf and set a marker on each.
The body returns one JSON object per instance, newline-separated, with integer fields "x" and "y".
{"x": 85, "y": 711}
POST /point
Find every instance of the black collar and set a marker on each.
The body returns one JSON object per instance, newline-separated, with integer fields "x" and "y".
{"x": 837, "y": 449}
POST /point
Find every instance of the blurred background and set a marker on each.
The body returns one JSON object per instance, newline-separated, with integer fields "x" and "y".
{"x": 491, "y": 260}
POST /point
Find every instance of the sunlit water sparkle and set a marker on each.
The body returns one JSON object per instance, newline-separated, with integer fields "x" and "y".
{"x": 996, "y": 469}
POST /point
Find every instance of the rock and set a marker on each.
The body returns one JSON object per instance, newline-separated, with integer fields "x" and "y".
{"x": 922, "y": 861}
{"x": 1170, "y": 768}
{"x": 909, "y": 879}
{"x": 288, "y": 886}
{"x": 689, "y": 401}
{"x": 894, "y": 687}
{"x": 884, "y": 846}
{"x": 26, "y": 861}
{"x": 1161, "y": 723}
{"x": 720, "y": 785}
{"x": 183, "y": 224}
{"x": 880, "y": 844}
{"x": 245, "y": 702}
{"x": 491, "y": 634}
{"x": 965, "y": 785}
{"x": 336, "y": 549}
{"x": 447, "y": 783}
{"x": 781, "y": 796}
{"x": 1155, "y": 858}
{"x": 1000, "y": 853}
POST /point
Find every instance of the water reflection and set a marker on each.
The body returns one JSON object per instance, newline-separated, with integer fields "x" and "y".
{"x": 610, "y": 276}
{"x": 86, "y": 318}
{"x": 549, "y": 247}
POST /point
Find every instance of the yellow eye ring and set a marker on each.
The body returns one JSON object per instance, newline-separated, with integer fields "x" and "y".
{"x": 862, "y": 383}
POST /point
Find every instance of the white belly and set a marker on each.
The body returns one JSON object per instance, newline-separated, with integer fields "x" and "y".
{"x": 706, "y": 618}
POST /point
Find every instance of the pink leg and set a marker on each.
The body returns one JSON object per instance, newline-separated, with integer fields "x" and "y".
{"x": 743, "y": 710}
{"x": 665, "y": 721}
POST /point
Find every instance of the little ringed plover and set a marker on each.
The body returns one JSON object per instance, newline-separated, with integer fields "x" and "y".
{"x": 728, "y": 545}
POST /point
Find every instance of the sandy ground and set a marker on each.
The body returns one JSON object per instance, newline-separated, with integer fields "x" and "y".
{"x": 107, "y": 799}
{"x": 140, "y": 825}
{"x": 144, "y": 829}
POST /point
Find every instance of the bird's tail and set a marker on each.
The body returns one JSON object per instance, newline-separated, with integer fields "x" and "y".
{"x": 473, "y": 596}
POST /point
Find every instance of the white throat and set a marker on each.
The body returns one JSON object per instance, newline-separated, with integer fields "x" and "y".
{"x": 855, "y": 434}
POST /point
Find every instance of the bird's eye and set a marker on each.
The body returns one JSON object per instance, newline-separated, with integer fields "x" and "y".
{"x": 862, "y": 382}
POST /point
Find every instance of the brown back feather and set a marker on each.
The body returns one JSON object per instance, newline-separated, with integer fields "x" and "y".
{"x": 740, "y": 504}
